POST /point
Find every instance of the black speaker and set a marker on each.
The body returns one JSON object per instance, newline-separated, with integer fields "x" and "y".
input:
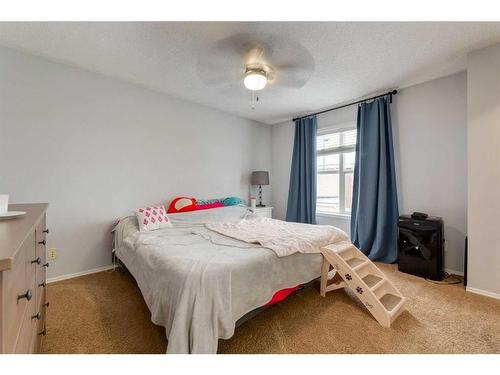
{"x": 421, "y": 245}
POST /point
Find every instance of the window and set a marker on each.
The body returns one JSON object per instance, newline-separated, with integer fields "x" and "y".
{"x": 335, "y": 153}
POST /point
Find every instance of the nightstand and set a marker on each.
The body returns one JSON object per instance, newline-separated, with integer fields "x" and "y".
{"x": 263, "y": 211}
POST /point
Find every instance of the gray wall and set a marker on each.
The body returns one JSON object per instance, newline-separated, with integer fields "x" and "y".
{"x": 483, "y": 142}
{"x": 430, "y": 140}
{"x": 429, "y": 124}
{"x": 97, "y": 148}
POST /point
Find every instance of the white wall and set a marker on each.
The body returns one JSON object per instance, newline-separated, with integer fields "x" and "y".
{"x": 430, "y": 148}
{"x": 97, "y": 148}
{"x": 483, "y": 142}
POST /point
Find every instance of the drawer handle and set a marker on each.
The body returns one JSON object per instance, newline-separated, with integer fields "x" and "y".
{"x": 42, "y": 285}
{"x": 43, "y": 333}
{"x": 42, "y": 242}
{"x": 46, "y": 231}
{"x": 28, "y": 295}
{"x": 47, "y": 304}
{"x": 38, "y": 316}
{"x": 37, "y": 260}
{"x": 46, "y": 264}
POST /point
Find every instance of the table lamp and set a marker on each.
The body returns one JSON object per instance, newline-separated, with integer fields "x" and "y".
{"x": 260, "y": 178}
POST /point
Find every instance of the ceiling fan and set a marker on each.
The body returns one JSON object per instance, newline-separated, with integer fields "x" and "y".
{"x": 254, "y": 61}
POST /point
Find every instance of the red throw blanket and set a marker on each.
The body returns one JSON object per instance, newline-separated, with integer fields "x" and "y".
{"x": 280, "y": 295}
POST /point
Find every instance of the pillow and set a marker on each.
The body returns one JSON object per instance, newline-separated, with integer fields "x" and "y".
{"x": 208, "y": 206}
{"x": 209, "y": 201}
{"x": 233, "y": 201}
{"x": 152, "y": 218}
{"x": 182, "y": 204}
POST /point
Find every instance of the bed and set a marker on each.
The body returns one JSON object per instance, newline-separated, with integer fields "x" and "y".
{"x": 198, "y": 282}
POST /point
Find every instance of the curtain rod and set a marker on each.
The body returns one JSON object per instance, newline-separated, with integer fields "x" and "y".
{"x": 390, "y": 93}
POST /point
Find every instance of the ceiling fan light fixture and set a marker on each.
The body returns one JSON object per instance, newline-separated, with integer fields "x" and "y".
{"x": 255, "y": 79}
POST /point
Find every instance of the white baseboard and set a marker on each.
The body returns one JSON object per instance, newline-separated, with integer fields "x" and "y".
{"x": 453, "y": 272}
{"x": 77, "y": 274}
{"x": 483, "y": 292}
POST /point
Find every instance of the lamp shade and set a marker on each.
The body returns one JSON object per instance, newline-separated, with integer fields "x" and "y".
{"x": 260, "y": 178}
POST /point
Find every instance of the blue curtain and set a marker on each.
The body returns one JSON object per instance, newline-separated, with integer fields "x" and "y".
{"x": 374, "y": 215}
{"x": 302, "y": 192}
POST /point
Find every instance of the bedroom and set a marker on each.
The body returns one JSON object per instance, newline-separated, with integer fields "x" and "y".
{"x": 112, "y": 123}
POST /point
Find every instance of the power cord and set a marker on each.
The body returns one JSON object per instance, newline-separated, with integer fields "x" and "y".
{"x": 449, "y": 279}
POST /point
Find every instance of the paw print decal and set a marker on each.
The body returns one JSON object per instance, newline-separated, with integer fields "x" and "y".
{"x": 348, "y": 277}
{"x": 359, "y": 290}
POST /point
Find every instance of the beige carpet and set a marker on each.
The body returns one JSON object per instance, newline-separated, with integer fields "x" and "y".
{"x": 105, "y": 313}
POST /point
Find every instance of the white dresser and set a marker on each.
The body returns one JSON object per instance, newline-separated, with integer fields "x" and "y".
{"x": 22, "y": 279}
{"x": 263, "y": 211}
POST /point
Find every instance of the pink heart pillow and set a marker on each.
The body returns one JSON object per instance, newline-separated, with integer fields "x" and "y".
{"x": 152, "y": 218}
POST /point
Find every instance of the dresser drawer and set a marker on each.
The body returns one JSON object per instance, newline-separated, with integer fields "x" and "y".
{"x": 41, "y": 237}
{"x": 39, "y": 294}
{"x": 18, "y": 281}
{"x": 25, "y": 342}
{"x": 40, "y": 325}
{"x": 40, "y": 254}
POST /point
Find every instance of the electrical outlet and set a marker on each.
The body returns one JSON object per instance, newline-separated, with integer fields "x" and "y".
{"x": 52, "y": 254}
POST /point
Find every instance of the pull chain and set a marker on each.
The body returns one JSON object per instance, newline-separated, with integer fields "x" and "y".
{"x": 255, "y": 99}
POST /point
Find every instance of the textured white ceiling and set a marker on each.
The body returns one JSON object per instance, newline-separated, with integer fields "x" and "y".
{"x": 350, "y": 59}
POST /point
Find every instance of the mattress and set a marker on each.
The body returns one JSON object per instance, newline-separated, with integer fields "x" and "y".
{"x": 198, "y": 283}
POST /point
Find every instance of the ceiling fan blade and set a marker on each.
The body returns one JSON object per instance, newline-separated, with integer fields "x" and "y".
{"x": 225, "y": 60}
{"x": 291, "y": 77}
{"x": 215, "y": 76}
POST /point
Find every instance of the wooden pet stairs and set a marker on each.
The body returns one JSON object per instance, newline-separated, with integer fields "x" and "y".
{"x": 359, "y": 274}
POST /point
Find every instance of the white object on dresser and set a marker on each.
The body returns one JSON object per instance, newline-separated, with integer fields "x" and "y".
{"x": 263, "y": 211}
{"x": 22, "y": 280}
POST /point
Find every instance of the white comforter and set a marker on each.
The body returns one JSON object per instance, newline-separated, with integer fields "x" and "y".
{"x": 197, "y": 283}
{"x": 280, "y": 236}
